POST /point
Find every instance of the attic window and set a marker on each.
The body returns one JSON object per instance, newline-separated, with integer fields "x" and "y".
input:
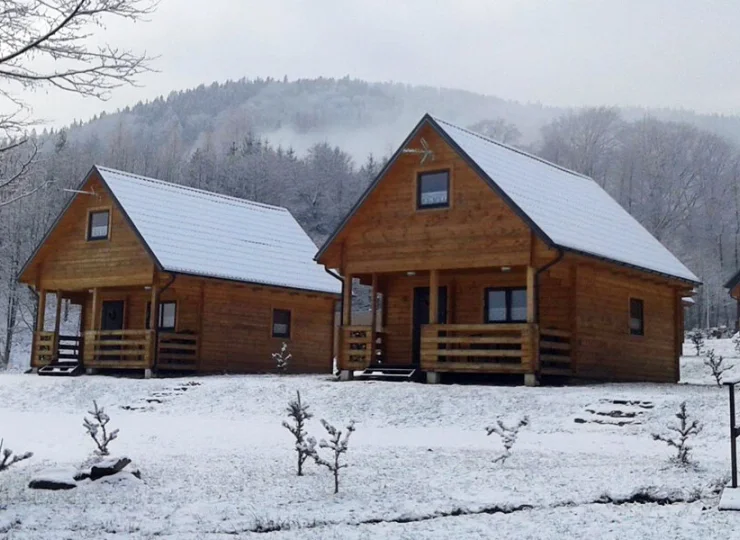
{"x": 433, "y": 189}
{"x": 98, "y": 225}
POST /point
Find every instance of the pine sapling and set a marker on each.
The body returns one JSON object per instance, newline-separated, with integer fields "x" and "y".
{"x": 686, "y": 429}
{"x": 97, "y": 430}
{"x": 7, "y": 459}
{"x": 508, "y": 435}
{"x": 697, "y": 339}
{"x": 282, "y": 359}
{"x": 299, "y": 414}
{"x": 717, "y": 365}
{"x": 336, "y": 444}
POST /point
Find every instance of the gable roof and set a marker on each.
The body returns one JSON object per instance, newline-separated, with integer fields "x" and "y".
{"x": 196, "y": 232}
{"x": 565, "y": 209}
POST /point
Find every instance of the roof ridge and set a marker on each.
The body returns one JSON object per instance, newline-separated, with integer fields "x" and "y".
{"x": 513, "y": 149}
{"x": 192, "y": 189}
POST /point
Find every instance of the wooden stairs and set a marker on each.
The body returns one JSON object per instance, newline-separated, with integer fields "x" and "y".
{"x": 62, "y": 369}
{"x": 395, "y": 373}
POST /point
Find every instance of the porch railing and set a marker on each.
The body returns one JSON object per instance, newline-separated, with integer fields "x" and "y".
{"x": 118, "y": 349}
{"x": 481, "y": 348}
{"x": 43, "y": 349}
{"x": 177, "y": 350}
{"x": 555, "y": 352}
{"x": 357, "y": 349}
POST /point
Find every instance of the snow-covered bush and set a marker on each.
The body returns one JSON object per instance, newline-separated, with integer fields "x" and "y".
{"x": 299, "y": 414}
{"x": 508, "y": 435}
{"x": 282, "y": 359}
{"x": 696, "y": 337}
{"x": 683, "y": 432}
{"x": 8, "y": 459}
{"x": 96, "y": 428}
{"x": 736, "y": 343}
{"x": 336, "y": 445}
{"x": 717, "y": 365}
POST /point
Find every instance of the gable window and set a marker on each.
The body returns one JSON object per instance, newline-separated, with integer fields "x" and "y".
{"x": 281, "y": 323}
{"x": 98, "y": 225}
{"x": 506, "y": 305}
{"x": 637, "y": 317}
{"x": 167, "y": 316}
{"x": 433, "y": 189}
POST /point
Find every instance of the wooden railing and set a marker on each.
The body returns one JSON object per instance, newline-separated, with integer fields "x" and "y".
{"x": 118, "y": 349}
{"x": 43, "y": 349}
{"x": 356, "y": 348}
{"x": 177, "y": 350}
{"x": 555, "y": 352}
{"x": 479, "y": 348}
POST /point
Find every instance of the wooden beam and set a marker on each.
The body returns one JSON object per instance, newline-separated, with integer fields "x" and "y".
{"x": 347, "y": 301}
{"x": 94, "y": 317}
{"x": 373, "y": 317}
{"x": 153, "y": 324}
{"x": 40, "y": 313}
{"x": 531, "y": 305}
{"x": 433, "y": 296}
{"x": 58, "y": 315}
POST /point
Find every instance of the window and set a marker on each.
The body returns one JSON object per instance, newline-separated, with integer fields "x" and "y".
{"x": 281, "y": 323}
{"x": 637, "y": 317}
{"x": 97, "y": 226}
{"x": 433, "y": 189}
{"x": 167, "y": 316}
{"x": 506, "y": 305}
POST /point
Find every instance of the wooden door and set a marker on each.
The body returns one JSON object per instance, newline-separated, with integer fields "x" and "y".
{"x": 421, "y": 317}
{"x": 112, "y": 315}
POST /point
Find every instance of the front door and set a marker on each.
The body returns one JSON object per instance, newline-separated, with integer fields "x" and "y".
{"x": 421, "y": 317}
{"x": 111, "y": 318}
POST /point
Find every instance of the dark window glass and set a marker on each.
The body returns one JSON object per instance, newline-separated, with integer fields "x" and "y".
{"x": 281, "y": 323}
{"x": 506, "y": 305}
{"x": 98, "y": 225}
{"x": 167, "y": 316}
{"x": 637, "y": 317}
{"x": 433, "y": 190}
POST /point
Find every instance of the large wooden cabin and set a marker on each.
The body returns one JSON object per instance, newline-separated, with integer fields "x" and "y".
{"x": 226, "y": 280}
{"x": 485, "y": 259}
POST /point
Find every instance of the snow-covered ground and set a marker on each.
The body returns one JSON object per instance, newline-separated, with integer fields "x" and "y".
{"x": 216, "y": 463}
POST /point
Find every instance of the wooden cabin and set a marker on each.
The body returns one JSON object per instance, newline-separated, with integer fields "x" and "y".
{"x": 485, "y": 259}
{"x": 173, "y": 278}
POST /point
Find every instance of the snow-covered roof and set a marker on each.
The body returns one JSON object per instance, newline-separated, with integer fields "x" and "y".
{"x": 197, "y": 232}
{"x": 565, "y": 208}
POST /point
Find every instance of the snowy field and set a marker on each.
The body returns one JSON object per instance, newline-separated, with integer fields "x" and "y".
{"x": 216, "y": 463}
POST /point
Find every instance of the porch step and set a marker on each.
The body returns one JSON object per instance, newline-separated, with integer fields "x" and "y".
{"x": 380, "y": 373}
{"x": 62, "y": 369}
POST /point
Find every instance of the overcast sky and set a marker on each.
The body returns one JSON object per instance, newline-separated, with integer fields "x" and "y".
{"x": 658, "y": 53}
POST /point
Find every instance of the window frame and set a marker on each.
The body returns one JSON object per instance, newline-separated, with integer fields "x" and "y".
{"x": 437, "y": 206}
{"x": 508, "y": 296}
{"x": 160, "y": 328}
{"x": 88, "y": 231}
{"x": 290, "y": 323}
{"x": 641, "y": 331}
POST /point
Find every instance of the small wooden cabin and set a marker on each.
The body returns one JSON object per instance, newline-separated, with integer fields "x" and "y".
{"x": 485, "y": 259}
{"x": 174, "y": 278}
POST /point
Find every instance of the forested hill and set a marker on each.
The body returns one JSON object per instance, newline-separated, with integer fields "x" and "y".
{"x": 314, "y": 145}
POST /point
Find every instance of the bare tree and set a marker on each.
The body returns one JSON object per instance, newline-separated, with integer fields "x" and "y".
{"x": 717, "y": 366}
{"x": 47, "y": 43}
{"x": 7, "y": 459}
{"x": 498, "y": 129}
{"x": 97, "y": 430}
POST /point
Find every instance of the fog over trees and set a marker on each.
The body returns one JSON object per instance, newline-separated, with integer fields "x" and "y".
{"x": 314, "y": 145}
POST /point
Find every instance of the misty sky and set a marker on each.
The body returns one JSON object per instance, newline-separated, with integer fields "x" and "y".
{"x": 672, "y": 53}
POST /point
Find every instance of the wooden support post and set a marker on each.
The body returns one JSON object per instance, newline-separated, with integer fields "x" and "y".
{"x": 433, "y": 296}
{"x": 373, "y": 318}
{"x": 41, "y": 312}
{"x": 347, "y": 301}
{"x": 153, "y": 325}
{"x": 533, "y": 334}
{"x": 531, "y": 304}
{"x": 57, "y": 326}
{"x": 94, "y": 324}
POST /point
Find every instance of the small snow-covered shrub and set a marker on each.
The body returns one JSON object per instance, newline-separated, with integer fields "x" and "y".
{"x": 336, "y": 444}
{"x": 696, "y": 337}
{"x": 679, "y": 438}
{"x": 96, "y": 428}
{"x": 282, "y": 359}
{"x": 717, "y": 365}
{"x": 508, "y": 435}
{"x": 8, "y": 459}
{"x": 736, "y": 343}
{"x": 299, "y": 414}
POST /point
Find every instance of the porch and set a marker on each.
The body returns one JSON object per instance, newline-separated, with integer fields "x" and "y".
{"x": 452, "y": 331}
{"x": 114, "y": 331}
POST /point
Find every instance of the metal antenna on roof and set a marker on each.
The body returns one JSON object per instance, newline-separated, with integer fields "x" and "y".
{"x": 424, "y": 151}
{"x": 80, "y": 192}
